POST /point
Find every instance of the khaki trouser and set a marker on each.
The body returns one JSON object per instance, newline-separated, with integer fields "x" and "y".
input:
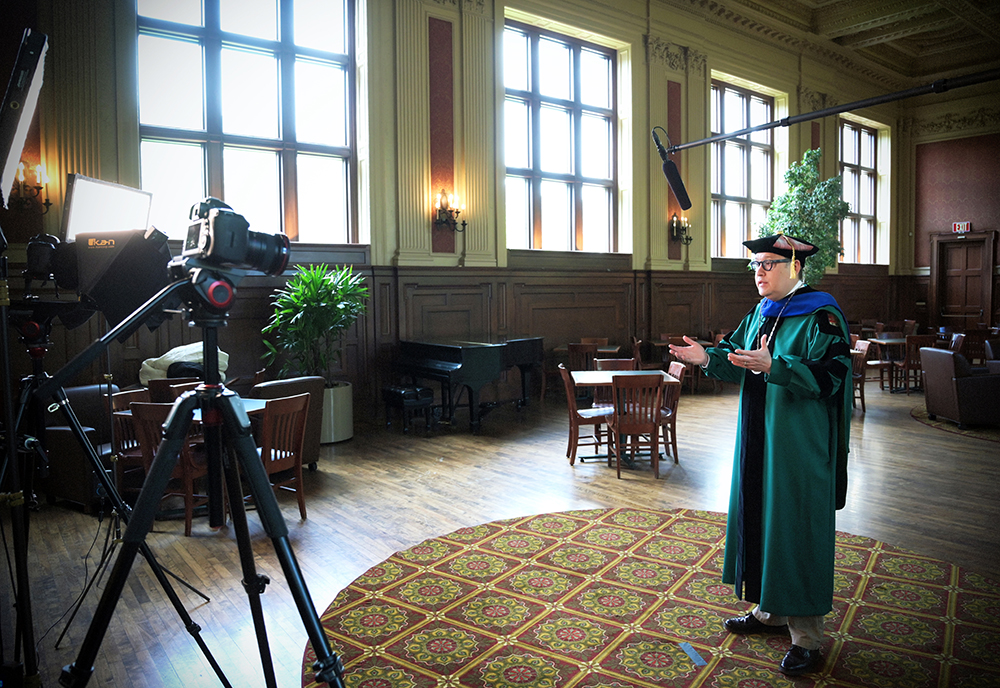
{"x": 806, "y": 631}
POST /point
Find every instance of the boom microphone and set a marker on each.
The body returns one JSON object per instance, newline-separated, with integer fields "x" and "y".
{"x": 672, "y": 174}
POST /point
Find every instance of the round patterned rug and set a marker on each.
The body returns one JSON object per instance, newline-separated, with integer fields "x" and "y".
{"x": 982, "y": 432}
{"x": 619, "y": 598}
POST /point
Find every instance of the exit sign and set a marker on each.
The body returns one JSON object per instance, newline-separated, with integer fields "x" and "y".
{"x": 961, "y": 226}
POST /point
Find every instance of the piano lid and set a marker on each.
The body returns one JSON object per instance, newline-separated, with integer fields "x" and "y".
{"x": 484, "y": 341}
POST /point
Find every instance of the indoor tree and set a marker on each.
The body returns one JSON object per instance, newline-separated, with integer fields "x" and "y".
{"x": 810, "y": 210}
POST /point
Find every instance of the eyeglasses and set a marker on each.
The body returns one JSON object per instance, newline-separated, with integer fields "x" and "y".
{"x": 753, "y": 265}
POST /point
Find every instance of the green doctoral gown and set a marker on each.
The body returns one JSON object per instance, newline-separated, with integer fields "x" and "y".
{"x": 790, "y": 464}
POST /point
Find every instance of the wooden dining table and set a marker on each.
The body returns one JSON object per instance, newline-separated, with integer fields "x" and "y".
{"x": 603, "y": 378}
{"x": 603, "y": 350}
{"x": 253, "y": 407}
{"x": 894, "y": 349}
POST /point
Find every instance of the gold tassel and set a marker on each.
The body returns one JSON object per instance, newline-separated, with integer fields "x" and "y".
{"x": 791, "y": 266}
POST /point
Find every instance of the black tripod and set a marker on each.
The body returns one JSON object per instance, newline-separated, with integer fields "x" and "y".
{"x": 208, "y": 292}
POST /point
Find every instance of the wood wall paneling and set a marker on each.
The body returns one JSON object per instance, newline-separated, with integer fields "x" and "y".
{"x": 559, "y": 305}
{"x": 678, "y": 308}
{"x": 956, "y": 181}
{"x": 458, "y": 311}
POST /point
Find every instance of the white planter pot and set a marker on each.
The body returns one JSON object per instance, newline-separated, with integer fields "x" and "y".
{"x": 338, "y": 413}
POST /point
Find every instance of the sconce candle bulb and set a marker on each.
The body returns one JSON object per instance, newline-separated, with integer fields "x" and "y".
{"x": 680, "y": 230}
{"x": 447, "y": 210}
{"x": 26, "y": 193}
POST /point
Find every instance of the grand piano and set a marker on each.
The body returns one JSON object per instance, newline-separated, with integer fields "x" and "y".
{"x": 470, "y": 364}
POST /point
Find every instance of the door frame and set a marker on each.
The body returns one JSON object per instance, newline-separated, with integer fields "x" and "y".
{"x": 939, "y": 242}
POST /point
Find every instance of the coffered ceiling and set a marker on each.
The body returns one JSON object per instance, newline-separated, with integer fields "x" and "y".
{"x": 912, "y": 40}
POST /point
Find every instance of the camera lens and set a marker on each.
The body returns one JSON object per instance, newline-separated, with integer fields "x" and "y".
{"x": 267, "y": 252}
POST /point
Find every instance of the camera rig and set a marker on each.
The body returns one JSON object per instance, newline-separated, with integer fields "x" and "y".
{"x": 204, "y": 282}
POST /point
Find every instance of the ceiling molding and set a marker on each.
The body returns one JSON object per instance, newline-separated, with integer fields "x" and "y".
{"x": 895, "y": 43}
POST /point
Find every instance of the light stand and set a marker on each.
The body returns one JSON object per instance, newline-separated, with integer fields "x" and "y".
{"x": 10, "y": 477}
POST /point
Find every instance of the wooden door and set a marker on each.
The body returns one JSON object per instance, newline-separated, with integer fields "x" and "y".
{"x": 961, "y": 289}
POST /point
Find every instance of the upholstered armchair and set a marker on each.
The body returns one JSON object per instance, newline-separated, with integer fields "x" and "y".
{"x": 71, "y": 474}
{"x": 953, "y": 392}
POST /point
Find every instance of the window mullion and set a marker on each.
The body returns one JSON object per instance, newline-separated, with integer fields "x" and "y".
{"x": 288, "y": 157}
{"x": 212, "y": 47}
{"x": 577, "y": 162}
{"x": 536, "y": 147}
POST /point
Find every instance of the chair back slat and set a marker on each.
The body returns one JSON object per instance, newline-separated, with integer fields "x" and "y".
{"x": 603, "y": 395}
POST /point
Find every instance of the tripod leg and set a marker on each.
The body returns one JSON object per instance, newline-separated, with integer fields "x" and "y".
{"x": 253, "y": 582}
{"x": 328, "y": 666}
{"x": 140, "y": 522}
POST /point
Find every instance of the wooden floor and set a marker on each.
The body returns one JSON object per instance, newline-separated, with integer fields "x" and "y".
{"x": 911, "y": 485}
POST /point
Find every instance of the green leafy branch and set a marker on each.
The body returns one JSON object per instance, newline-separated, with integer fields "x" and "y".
{"x": 312, "y": 312}
{"x": 811, "y": 210}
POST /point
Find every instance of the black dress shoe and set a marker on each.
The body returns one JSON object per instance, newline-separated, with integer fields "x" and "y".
{"x": 750, "y": 624}
{"x": 800, "y": 661}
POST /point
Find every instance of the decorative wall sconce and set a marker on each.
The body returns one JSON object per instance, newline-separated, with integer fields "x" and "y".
{"x": 24, "y": 194}
{"x": 447, "y": 210}
{"x": 679, "y": 229}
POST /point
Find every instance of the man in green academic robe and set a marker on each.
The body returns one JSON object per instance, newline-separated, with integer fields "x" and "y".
{"x": 791, "y": 357}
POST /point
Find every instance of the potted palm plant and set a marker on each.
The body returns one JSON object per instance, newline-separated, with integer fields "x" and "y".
{"x": 312, "y": 312}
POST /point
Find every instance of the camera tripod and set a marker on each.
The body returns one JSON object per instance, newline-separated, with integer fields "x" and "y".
{"x": 35, "y": 336}
{"x": 208, "y": 292}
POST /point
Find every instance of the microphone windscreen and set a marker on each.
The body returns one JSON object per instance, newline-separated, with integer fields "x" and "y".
{"x": 673, "y": 176}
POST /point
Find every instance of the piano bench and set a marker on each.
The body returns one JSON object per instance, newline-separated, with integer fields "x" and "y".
{"x": 408, "y": 400}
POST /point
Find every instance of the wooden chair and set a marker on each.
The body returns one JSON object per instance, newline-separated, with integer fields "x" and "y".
{"x": 582, "y": 355}
{"x": 290, "y": 387}
{"x": 159, "y": 388}
{"x": 910, "y": 365}
{"x": 668, "y": 412}
{"x": 580, "y": 418}
{"x": 602, "y": 395}
{"x": 128, "y": 454}
{"x": 886, "y": 360}
{"x": 690, "y": 373}
{"x": 974, "y": 346}
{"x": 868, "y": 328}
{"x": 179, "y": 389}
{"x": 910, "y": 327}
{"x": 599, "y": 341}
{"x": 635, "y": 423}
{"x": 191, "y": 464}
{"x": 859, "y": 371}
{"x": 642, "y": 362}
{"x": 283, "y": 430}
